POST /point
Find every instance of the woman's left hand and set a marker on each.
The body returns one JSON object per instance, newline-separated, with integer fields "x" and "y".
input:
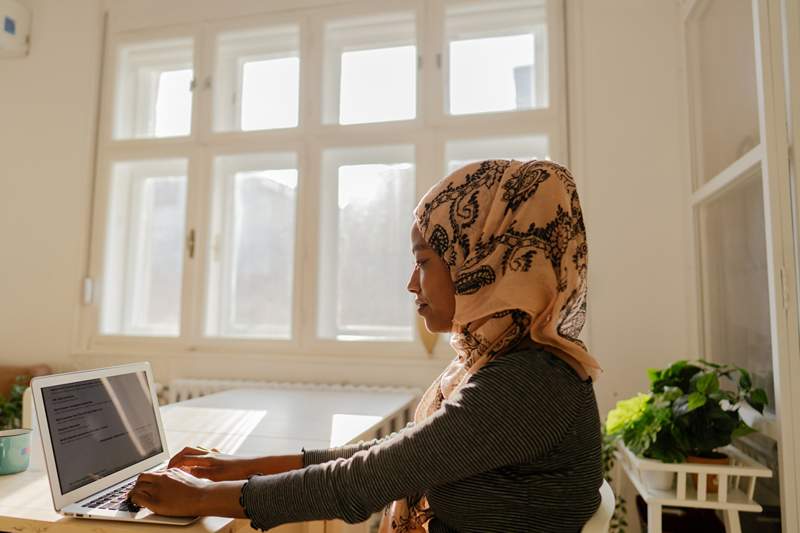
{"x": 171, "y": 493}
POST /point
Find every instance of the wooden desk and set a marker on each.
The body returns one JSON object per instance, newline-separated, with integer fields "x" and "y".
{"x": 246, "y": 422}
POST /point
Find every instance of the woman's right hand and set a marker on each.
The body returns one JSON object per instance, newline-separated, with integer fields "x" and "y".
{"x": 217, "y": 466}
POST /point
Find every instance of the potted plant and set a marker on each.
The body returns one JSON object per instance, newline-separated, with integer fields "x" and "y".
{"x": 643, "y": 424}
{"x": 692, "y": 409}
{"x": 15, "y": 442}
{"x": 11, "y": 408}
{"x": 705, "y": 416}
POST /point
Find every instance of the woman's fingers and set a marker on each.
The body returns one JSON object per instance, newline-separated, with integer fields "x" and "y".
{"x": 191, "y": 460}
{"x": 172, "y": 492}
{"x": 184, "y": 453}
{"x": 147, "y": 477}
{"x": 208, "y": 472}
{"x": 142, "y": 497}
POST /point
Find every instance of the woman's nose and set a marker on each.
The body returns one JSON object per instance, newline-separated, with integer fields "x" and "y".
{"x": 413, "y": 282}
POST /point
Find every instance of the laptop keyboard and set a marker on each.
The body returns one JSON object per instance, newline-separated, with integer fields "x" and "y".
{"x": 116, "y": 500}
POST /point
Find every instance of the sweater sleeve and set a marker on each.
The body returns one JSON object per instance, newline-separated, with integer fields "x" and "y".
{"x": 314, "y": 457}
{"x": 515, "y": 409}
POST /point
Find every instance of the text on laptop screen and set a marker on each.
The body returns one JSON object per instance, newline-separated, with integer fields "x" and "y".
{"x": 100, "y": 426}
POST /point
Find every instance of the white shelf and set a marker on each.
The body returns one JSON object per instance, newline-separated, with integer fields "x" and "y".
{"x": 736, "y": 481}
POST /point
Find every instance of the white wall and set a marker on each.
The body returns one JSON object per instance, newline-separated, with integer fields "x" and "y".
{"x": 627, "y": 147}
{"x": 47, "y": 117}
{"x": 626, "y": 152}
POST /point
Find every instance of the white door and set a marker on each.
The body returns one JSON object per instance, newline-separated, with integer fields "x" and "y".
{"x": 742, "y": 214}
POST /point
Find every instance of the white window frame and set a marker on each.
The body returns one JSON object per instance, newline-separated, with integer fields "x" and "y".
{"x": 428, "y": 133}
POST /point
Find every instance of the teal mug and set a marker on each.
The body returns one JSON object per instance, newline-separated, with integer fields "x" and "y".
{"x": 15, "y": 450}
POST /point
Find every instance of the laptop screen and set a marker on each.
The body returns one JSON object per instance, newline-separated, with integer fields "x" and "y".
{"x": 100, "y": 426}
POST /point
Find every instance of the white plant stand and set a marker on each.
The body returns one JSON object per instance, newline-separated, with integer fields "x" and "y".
{"x": 737, "y": 483}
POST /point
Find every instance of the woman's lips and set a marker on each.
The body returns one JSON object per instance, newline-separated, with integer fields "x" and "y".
{"x": 421, "y": 307}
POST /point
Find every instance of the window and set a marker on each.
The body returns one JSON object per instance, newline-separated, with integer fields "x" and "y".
{"x": 370, "y": 69}
{"x": 258, "y": 72}
{"x": 365, "y": 224}
{"x": 728, "y": 199}
{"x": 745, "y": 256}
{"x": 726, "y": 100}
{"x": 257, "y": 177}
{"x": 735, "y": 250}
{"x": 251, "y": 246}
{"x": 497, "y": 56}
{"x": 144, "y": 249}
{"x": 154, "y": 96}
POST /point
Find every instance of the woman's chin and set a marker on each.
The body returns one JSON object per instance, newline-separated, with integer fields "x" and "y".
{"x": 436, "y": 326}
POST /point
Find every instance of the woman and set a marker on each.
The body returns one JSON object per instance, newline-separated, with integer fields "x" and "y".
{"x": 507, "y": 438}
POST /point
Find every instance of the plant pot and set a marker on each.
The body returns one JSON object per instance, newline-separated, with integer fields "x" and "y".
{"x": 15, "y": 450}
{"x": 712, "y": 483}
{"x": 658, "y": 479}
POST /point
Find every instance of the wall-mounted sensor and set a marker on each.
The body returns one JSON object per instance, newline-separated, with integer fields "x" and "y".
{"x": 15, "y": 27}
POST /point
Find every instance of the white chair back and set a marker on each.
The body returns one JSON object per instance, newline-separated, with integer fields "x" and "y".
{"x": 601, "y": 518}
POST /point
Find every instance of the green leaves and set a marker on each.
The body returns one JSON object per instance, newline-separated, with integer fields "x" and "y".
{"x": 705, "y": 382}
{"x": 11, "y": 408}
{"x": 694, "y": 401}
{"x": 692, "y": 409}
{"x": 678, "y": 374}
{"x": 757, "y": 399}
{"x": 744, "y": 379}
{"x": 687, "y": 403}
{"x": 625, "y": 413}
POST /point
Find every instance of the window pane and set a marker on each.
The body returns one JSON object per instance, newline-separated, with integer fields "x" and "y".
{"x": 735, "y": 282}
{"x": 174, "y": 103}
{"x": 378, "y": 85}
{"x": 497, "y": 56}
{"x": 257, "y": 79}
{"x": 154, "y": 96}
{"x": 722, "y": 57}
{"x": 270, "y": 94}
{"x": 367, "y": 199}
{"x": 144, "y": 249}
{"x": 251, "y": 253}
{"x": 370, "y": 69}
{"x": 462, "y": 152}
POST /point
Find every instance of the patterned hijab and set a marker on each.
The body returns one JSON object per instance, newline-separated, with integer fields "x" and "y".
{"x": 512, "y": 234}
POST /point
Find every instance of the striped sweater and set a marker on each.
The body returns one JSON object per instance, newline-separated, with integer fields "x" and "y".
{"x": 516, "y": 449}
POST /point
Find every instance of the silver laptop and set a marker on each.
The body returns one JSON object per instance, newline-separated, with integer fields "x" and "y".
{"x": 100, "y": 429}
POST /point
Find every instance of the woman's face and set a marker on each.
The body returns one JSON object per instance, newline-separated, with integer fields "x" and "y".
{"x": 431, "y": 284}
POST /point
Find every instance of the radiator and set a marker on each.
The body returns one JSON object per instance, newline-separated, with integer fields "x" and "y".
{"x": 185, "y": 389}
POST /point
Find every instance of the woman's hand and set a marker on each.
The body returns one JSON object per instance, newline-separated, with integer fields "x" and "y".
{"x": 174, "y": 492}
{"x": 211, "y": 465}
{"x": 222, "y": 467}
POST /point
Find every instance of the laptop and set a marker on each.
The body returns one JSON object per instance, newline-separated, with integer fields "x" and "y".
{"x": 100, "y": 429}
